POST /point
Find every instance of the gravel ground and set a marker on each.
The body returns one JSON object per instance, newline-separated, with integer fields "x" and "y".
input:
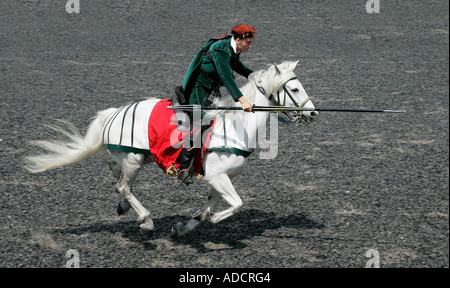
{"x": 338, "y": 188}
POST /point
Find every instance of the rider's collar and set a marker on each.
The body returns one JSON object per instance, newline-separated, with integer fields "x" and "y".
{"x": 233, "y": 44}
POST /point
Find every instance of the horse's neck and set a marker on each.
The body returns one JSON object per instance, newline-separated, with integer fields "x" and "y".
{"x": 256, "y": 121}
{"x": 240, "y": 129}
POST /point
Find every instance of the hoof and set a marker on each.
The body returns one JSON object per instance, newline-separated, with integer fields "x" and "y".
{"x": 123, "y": 206}
{"x": 202, "y": 215}
{"x": 180, "y": 229}
{"x": 147, "y": 228}
{"x": 176, "y": 230}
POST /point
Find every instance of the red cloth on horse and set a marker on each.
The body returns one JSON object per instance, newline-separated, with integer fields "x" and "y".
{"x": 161, "y": 126}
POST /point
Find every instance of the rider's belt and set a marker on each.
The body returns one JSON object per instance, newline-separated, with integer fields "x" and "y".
{"x": 211, "y": 78}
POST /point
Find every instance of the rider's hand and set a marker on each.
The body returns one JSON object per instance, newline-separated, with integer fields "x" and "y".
{"x": 245, "y": 104}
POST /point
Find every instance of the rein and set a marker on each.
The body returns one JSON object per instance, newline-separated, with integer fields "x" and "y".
{"x": 296, "y": 115}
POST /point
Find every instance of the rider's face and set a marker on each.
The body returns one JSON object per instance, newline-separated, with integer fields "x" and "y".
{"x": 243, "y": 45}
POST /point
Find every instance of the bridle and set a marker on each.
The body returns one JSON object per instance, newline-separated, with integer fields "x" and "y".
{"x": 294, "y": 116}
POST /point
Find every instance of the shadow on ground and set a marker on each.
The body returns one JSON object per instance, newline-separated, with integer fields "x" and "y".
{"x": 230, "y": 233}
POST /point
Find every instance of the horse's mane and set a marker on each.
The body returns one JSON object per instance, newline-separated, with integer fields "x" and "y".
{"x": 269, "y": 80}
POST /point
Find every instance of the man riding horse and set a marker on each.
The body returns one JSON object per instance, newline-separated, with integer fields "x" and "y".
{"x": 212, "y": 68}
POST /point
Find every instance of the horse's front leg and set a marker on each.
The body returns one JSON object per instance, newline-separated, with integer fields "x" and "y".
{"x": 202, "y": 215}
{"x": 222, "y": 187}
{"x": 219, "y": 167}
{"x": 222, "y": 184}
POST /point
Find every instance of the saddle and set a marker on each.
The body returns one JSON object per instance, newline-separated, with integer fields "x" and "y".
{"x": 179, "y": 93}
{"x": 167, "y": 135}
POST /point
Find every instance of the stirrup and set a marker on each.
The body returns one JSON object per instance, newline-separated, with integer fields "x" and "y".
{"x": 185, "y": 176}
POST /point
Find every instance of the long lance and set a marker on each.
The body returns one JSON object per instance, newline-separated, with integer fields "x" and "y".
{"x": 281, "y": 109}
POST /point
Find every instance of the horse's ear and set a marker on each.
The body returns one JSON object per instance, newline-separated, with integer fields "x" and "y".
{"x": 277, "y": 69}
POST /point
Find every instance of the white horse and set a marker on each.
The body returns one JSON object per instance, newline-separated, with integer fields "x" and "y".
{"x": 227, "y": 153}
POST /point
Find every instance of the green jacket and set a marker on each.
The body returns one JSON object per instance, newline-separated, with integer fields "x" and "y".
{"x": 218, "y": 60}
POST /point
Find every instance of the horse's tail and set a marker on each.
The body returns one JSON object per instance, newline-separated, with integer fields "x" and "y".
{"x": 75, "y": 149}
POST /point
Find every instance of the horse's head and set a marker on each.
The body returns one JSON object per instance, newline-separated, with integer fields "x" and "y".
{"x": 290, "y": 92}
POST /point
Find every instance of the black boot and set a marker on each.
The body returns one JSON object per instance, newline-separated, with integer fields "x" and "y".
{"x": 186, "y": 157}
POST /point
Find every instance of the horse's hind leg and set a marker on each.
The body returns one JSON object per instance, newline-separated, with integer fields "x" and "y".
{"x": 115, "y": 168}
{"x": 123, "y": 205}
{"x": 131, "y": 164}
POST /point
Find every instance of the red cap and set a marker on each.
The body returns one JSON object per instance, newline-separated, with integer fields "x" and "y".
{"x": 243, "y": 31}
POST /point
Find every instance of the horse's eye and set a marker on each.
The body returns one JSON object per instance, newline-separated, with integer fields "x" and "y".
{"x": 295, "y": 90}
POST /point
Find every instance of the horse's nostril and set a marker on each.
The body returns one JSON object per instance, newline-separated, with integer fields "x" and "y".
{"x": 314, "y": 114}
